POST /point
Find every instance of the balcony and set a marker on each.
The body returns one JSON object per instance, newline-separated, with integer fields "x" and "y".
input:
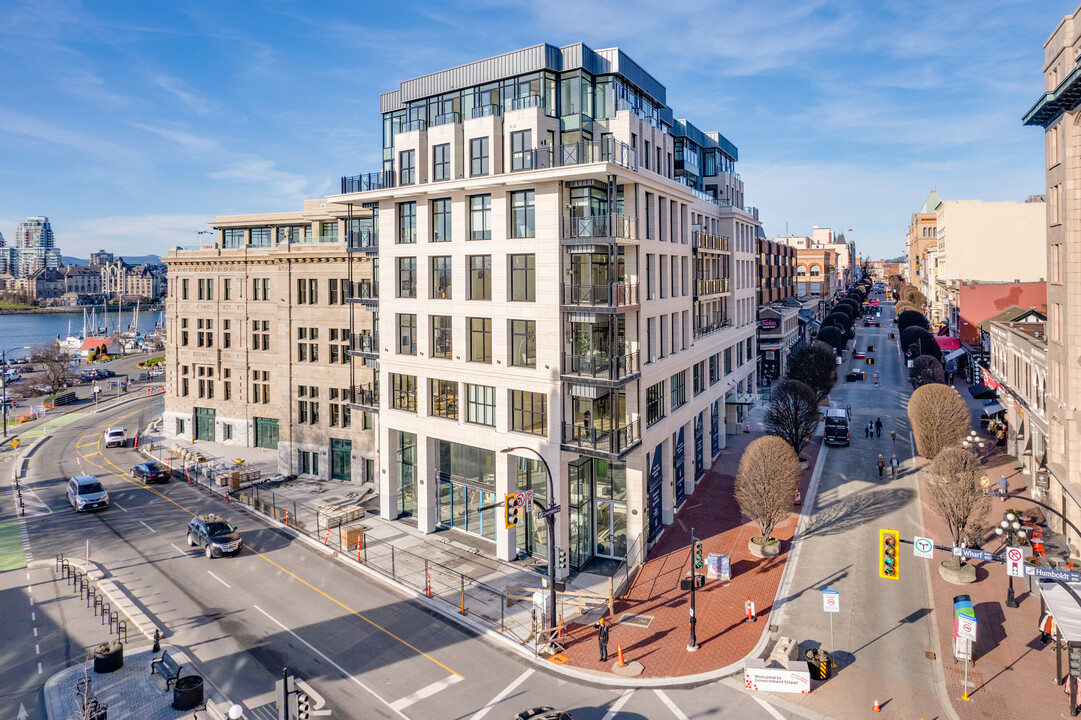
{"x": 523, "y": 103}
{"x": 599, "y": 228}
{"x": 413, "y": 125}
{"x": 366, "y": 397}
{"x": 365, "y": 344}
{"x": 365, "y": 292}
{"x": 610, "y": 369}
{"x": 619, "y": 297}
{"x": 704, "y": 241}
{"x": 603, "y": 438}
{"x": 381, "y": 180}
{"x": 485, "y": 111}
{"x": 608, "y": 150}
{"x": 705, "y": 289}
{"x": 451, "y": 118}
{"x": 706, "y": 326}
{"x": 365, "y": 241}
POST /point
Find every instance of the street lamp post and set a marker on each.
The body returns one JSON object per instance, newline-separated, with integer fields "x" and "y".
{"x": 1011, "y": 528}
{"x": 550, "y": 524}
{"x": 4, "y": 382}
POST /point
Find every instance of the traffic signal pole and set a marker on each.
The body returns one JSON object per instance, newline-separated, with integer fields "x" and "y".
{"x": 693, "y": 644}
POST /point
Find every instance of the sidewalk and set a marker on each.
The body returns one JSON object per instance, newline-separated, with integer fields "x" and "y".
{"x": 1013, "y": 672}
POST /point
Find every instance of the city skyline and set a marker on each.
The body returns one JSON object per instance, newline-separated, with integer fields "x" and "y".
{"x": 169, "y": 116}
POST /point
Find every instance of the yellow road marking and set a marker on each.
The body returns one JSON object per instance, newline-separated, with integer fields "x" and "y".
{"x": 123, "y": 476}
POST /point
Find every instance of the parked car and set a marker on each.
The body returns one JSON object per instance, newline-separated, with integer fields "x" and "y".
{"x": 855, "y": 376}
{"x": 104, "y": 372}
{"x": 115, "y": 437}
{"x": 214, "y": 535}
{"x": 859, "y": 355}
{"x": 149, "y": 472}
{"x": 85, "y": 492}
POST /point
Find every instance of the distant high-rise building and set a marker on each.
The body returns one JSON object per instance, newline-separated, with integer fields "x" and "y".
{"x": 102, "y": 258}
{"x": 35, "y": 247}
{"x": 6, "y": 255}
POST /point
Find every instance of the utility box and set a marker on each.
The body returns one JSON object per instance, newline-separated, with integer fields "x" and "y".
{"x": 353, "y": 536}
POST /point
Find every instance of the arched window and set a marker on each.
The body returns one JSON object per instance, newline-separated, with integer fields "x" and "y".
{"x": 815, "y": 271}
{"x": 801, "y": 271}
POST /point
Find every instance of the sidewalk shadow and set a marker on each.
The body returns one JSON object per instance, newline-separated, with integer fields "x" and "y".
{"x": 992, "y": 626}
{"x": 856, "y": 511}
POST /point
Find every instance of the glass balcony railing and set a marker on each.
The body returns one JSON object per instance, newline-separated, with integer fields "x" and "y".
{"x": 485, "y": 110}
{"x": 371, "y": 181}
{"x": 707, "y": 326}
{"x": 612, "y": 295}
{"x": 412, "y": 125}
{"x": 717, "y": 286}
{"x": 522, "y": 103}
{"x": 600, "y": 227}
{"x": 603, "y": 436}
{"x": 704, "y": 241}
{"x": 366, "y": 291}
{"x": 363, "y": 240}
{"x": 365, "y": 343}
{"x": 450, "y": 118}
{"x": 601, "y": 366}
{"x": 608, "y": 150}
{"x": 366, "y": 396}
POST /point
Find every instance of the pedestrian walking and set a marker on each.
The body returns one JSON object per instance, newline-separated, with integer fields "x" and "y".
{"x": 867, "y": 429}
{"x": 894, "y": 464}
{"x": 893, "y": 435}
{"x": 1003, "y": 487}
{"x": 880, "y": 464}
{"x": 875, "y": 378}
{"x": 878, "y": 427}
{"x": 602, "y": 639}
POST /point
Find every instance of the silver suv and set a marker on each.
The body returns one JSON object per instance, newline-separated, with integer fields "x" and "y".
{"x": 85, "y": 492}
{"x": 115, "y": 437}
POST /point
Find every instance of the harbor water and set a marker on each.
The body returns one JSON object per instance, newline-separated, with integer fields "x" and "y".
{"x": 19, "y": 331}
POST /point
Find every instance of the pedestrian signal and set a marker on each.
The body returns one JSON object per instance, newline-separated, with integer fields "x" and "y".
{"x": 304, "y": 705}
{"x": 510, "y": 511}
{"x": 888, "y": 540}
{"x": 698, "y": 553}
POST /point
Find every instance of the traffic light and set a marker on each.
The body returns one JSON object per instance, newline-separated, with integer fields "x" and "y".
{"x": 510, "y": 511}
{"x": 888, "y": 540}
{"x": 304, "y": 705}
{"x": 1075, "y": 663}
{"x": 562, "y": 558}
{"x": 698, "y": 562}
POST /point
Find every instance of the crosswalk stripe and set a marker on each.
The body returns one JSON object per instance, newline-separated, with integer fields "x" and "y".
{"x": 618, "y": 705}
{"x": 424, "y": 692}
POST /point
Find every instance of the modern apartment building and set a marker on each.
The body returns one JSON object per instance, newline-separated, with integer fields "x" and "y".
{"x": 262, "y": 325}
{"x": 567, "y": 278}
{"x": 776, "y": 266}
{"x": 35, "y": 248}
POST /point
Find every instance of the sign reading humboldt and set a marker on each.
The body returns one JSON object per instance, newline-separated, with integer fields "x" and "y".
{"x": 656, "y": 477}
{"x": 777, "y": 680}
{"x": 1049, "y": 574}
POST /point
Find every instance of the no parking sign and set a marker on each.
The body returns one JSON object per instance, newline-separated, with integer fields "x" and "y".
{"x": 1015, "y": 562}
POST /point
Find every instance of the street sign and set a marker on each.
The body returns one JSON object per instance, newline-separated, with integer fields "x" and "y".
{"x": 973, "y": 554}
{"x": 1014, "y": 562}
{"x": 1049, "y": 574}
{"x": 551, "y": 510}
{"x": 923, "y": 547}
{"x": 524, "y": 499}
{"x": 831, "y": 601}
{"x": 966, "y": 627}
{"x": 15, "y": 443}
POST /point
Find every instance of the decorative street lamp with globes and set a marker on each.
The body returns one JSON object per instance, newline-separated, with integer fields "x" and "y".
{"x": 972, "y": 441}
{"x": 1011, "y": 528}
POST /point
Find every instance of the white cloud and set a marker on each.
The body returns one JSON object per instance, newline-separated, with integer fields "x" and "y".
{"x": 185, "y": 139}
{"x": 178, "y": 88}
{"x": 129, "y": 234}
{"x": 258, "y": 170}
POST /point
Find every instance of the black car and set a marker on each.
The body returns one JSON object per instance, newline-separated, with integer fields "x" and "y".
{"x": 214, "y": 535}
{"x": 150, "y": 472}
{"x": 545, "y": 712}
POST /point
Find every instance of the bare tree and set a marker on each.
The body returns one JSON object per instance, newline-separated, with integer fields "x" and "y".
{"x": 54, "y": 363}
{"x": 957, "y": 482}
{"x": 815, "y": 366}
{"x": 766, "y": 483}
{"x": 939, "y": 418}
{"x": 792, "y": 413}
{"x": 926, "y": 370}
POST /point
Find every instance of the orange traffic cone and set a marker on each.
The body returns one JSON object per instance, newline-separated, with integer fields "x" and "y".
{"x": 747, "y": 426}
{"x": 619, "y": 654}
{"x": 798, "y": 500}
{"x": 875, "y": 707}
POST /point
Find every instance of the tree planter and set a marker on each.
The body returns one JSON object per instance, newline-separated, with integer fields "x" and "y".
{"x": 804, "y": 463}
{"x": 760, "y": 549}
{"x": 188, "y": 692}
{"x": 956, "y": 572}
{"x": 108, "y": 657}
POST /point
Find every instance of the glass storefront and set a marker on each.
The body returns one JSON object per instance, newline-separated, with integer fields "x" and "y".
{"x": 466, "y": 478}
{"x": 407, "y": 473}
{"x": 598, "y": 510}
{"x": 532, "y": 534}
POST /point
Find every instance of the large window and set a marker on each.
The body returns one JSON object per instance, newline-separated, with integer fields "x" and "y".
{"x": 523, "y": 220}
{"x": 480, "y": 277}
{"x": 654, "y": 403}
{"x": 407, "y": 334}
{"x": 441, "y": 336}
{"x": 407, "y": 277}
{"x": 478, "y": 156}
{"x": 441, "y": 162}
{"x": 480, "y": 340}
{"x": 523, "y": 278}
{"x": 443, "y": 399}
{"x": 403, "y": 392}
{"x": 441, "y": 277}
{"x": 528, "y": 412}
{"x": 678, "y": 384}
{"x": 407, "y": 161}
{"x": 441, "y": 220}
{"x": 480, "y": 217}
{"x": 700, "y": 377}
{"x": 523, "y": 343}
{"x": 407, "y": 222}
{"x": 234, "y": 237}
{"x": 480, "y": 404}
{"x": 521, "y": 150}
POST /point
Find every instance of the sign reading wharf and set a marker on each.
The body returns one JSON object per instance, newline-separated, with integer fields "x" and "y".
{"x": 973, "y": 554}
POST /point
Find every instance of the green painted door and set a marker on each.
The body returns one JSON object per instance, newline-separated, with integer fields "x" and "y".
{"x": 266, "y": 433}
{"x": 204, "y": 424}
{"x": 340, "y": 463}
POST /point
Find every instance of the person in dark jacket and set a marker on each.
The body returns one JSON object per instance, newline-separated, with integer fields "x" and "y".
{"x": 878, "y": 427}
{"x": 602, "y": 639}
{"x": 880, "y": 464}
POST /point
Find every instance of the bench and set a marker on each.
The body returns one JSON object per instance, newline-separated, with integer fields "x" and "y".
{"x": 167, "y": 667}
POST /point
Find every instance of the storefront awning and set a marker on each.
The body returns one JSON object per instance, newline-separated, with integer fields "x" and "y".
{"x": 981, "y": 392}
{"x": 954, "y": 355}
{"x": 1064, "y": 608}
{"x": 991, "y": 408}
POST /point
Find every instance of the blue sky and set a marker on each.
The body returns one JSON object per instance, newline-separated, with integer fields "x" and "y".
{"x": 131, "y": 124}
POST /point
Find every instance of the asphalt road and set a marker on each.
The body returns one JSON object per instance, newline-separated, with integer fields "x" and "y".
{"x": 368, "y": 651}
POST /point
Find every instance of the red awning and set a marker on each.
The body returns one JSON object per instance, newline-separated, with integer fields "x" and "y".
{"x": 948, "y": 343}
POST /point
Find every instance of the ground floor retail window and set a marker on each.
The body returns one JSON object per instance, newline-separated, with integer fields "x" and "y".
{"x": 407, "y": 473}
{"x": 597, "y": 509}
{"x": 467, "y": 508}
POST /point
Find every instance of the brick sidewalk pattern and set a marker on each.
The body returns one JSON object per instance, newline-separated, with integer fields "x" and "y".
{"x": 724, "y": 637}
{"x": 1013, "y": 673}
